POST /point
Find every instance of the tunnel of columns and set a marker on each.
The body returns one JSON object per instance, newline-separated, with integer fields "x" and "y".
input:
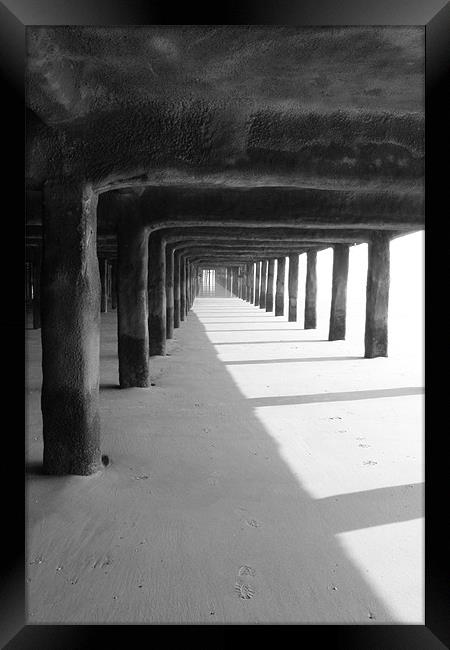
{"x": 164, "y": 163}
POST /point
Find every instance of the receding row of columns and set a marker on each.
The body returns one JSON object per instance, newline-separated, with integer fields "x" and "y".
{"x": 260, "y": 280}
{"x": 156, "y": 284}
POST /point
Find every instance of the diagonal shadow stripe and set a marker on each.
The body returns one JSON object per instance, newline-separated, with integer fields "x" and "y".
{"x": 369, "y": 508}
{"x": 309, "y": 359}
{"x": 349, "y": 396}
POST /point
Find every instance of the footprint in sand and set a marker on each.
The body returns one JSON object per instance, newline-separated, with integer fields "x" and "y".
{"x": 244, "y": 590}
{"x": 246, "y": 570}
{"x": 253, "y": 522}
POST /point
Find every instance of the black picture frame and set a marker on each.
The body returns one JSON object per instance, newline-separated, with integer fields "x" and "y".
{"x": 15, "y": 15}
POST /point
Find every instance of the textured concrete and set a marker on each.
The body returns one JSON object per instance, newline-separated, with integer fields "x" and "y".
{"x": 157, "y": 294}
{"x": 292, "y": 288}
{"x": 132, "y": 319}
{"x": 169, "y": 291}
{"x": 311, "y": 290}
{"x": 263, "y": 291}
{"x": 70, "y": 298}
{"x": 377, "y": 301}
{"x": 257, "y": 283}
{"x": 338, "y": 312}
{"x": 279, "y": 292}
{"x": 176, "y": 289}
{"x": 270, "y": 280}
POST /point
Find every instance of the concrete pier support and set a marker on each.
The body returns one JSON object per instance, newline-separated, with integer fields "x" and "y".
{"x": 377, "y": 297}
{"x": 244, "y": 283}
{"x": 279, "y": 293}
{"x": 293, "y": 287}
{"x": 229, "y": 280}
{"x": 157, "y": 294}
{"x": 235, "y": 289}
{"x": 270, "y": 279}
{"x": 262, "y": 295}
{"x": 169, "y": 291}
{"x": 257, "y": 283}
{"x": 114, "y": 284}
{"x": 103, "y": 265}
{"x": 338, "y": 312}
{"x": 176, "y": 289}
{"x": 132, "y": 314}
{"x": 182, "y": 288}
{"x": 311, "y": 290}
{"x": 187, "y": 285}
{"x": 70, "y": 296}
{"x": 251, "y": 295}
{"x": 37, "y": 264}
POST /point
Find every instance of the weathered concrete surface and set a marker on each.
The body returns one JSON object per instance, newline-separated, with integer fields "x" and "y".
{"x": 257, "y": 112}
{"x": 169, "y": 291}
{"x": 234, "y": 281}
{"x": 37, "y": 264}
{"x": 103, "y": 265}
{"x": 270, "y": 280}
{"x": 70, "y": 297}
{"x": 279, "y": 292}
{"x": 257, "y": 283}
{"x": 182, "y": 288}
{"x": 176, "y": 289}
{"x": 377, "y": 300}
{"x": 114, "y": 284}
{"x": 338, "y": 312}
{"x": 263, "y": 291}
{"x": 157, "y": 294}
{"x": 311, "y": 290}
{"x": 132, "y": 318}
{"x": 251, "y": 297}
{"x": 292, "y": 288}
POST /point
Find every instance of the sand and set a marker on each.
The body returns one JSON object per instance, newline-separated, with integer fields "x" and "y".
{"x": 269, "y": 476}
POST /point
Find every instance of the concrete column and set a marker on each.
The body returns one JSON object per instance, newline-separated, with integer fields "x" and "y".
{"x": 132, "y": 313}
{"x": 244, "y": 283}
{"x": 235, "y": 281}
{"x": 339, "y": 292}
{"x": 270, "y": 278}
{"x": 251, "y": 295}
{"x": 182, "y": 288}
{"x": 37, "y": 263}
{"x": 279, "y": 293}
{"x": 311, "y": 290}
{"x": 263, "y": 292}
{"x": 176, "y": 289}
{"x": 70, "y": 297}
{"x": 257, "y": 283}
{"x": 230, "y": 280}
{"x": 157, "y": 294}
{"x": 186, "y": 286}
{"x": 377, "y": 297}
{"x": 293, "y": 287}
{"x": 103, "y": 265}
{"x": 169, "y": 291}
{"x": 114, "y": 285}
